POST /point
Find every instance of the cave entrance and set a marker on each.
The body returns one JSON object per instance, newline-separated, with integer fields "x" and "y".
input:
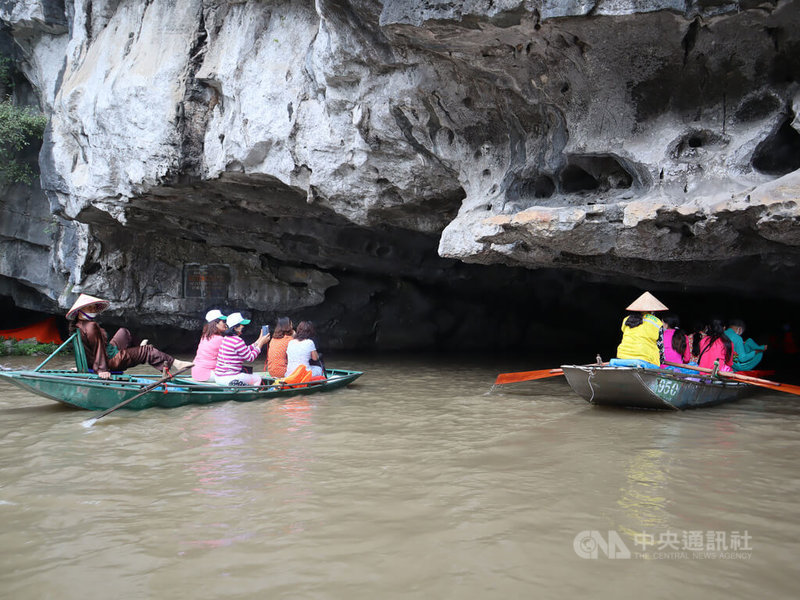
{"x": 594, "y": 172}
{"x": 779, "y": 154}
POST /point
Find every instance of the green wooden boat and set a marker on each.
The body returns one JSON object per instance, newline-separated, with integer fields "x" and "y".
{"x": 82, "y": 389}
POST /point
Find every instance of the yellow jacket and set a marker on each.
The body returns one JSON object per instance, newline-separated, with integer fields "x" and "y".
{"x": 642, "y": 341}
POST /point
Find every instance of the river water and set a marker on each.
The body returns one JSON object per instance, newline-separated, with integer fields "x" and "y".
{"x": 412, "y": 483}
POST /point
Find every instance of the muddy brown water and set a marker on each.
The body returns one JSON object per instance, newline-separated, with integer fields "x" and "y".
{"x": 412, "y": 483}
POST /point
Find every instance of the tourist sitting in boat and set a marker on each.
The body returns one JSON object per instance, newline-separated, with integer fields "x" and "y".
{"x": 747, "y": 353}
{"x": 642, "y": 338}
{"x": 301, "y": 350}
{"x": 715, "y": 348}
{"x": 276, "y": 352}
{"x": 693, "y": 339}
{"x": 677, "y": 348}
{"x": 205, "y": 358}
{"x": 119, "y": 353}
{"x": 234, "y": 352}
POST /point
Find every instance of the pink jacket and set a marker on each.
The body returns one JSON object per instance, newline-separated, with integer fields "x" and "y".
{"x": 716, "y": 351}
{"x": 206, "y": 358}
{"x": 671, "y": 355}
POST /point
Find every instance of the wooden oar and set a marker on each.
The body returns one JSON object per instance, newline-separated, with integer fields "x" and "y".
{"x": 527, "y": 376}
{"x": 90, "y": 422}
{"x": 765, "y": 383}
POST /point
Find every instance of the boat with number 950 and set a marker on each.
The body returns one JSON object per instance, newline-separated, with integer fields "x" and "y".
{"x": 639, "y": 387}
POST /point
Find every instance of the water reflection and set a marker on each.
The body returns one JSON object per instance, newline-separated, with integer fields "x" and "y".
{"x": 643, "y": 498}
{"x": 220, "y": 462}
{"x": 298, "y": 413}
{"x": 653, "y": 497}
{"x": 293, "y": 456}
{"x": 237, "y": 456}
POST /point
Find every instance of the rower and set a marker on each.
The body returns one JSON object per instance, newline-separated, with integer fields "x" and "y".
{"x": 118, "y": 353}
{"x": 642, "y": 335}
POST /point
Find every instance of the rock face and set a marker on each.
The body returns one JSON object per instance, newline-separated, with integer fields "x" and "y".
{"x": 350, "y": 159}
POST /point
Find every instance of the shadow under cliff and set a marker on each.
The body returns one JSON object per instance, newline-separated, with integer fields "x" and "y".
{"x": 562, "y": 319}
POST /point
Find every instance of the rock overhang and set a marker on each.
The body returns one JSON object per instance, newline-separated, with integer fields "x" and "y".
{"x": 630, "y": 141}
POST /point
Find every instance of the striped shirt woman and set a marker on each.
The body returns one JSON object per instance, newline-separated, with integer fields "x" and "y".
{"x": 233, "y": 353}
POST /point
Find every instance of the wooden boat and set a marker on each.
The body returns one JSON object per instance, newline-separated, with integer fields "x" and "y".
{"x": 637, "y": 387}
{"x": 82, "y": 389}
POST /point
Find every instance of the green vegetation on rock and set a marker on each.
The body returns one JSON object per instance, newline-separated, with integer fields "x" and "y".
{"x": 13, "y": 347}
{"x": 20, "y": 126}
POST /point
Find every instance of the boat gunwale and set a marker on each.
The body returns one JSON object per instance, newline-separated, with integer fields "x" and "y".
{"x": 687, "y": 378}
{"x": 89, "y": 379}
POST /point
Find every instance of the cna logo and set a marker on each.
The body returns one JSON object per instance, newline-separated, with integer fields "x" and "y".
{"x": 590, "y": 543}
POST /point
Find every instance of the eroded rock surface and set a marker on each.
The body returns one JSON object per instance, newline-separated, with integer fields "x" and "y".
{"x": 355, "y": 155}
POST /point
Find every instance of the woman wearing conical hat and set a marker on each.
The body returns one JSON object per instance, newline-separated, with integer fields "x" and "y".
{"x": 642, "y": 332}
{"x": 119, "y": 353}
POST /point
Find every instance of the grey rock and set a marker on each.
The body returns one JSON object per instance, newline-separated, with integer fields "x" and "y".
{"x": 339, "y": 147}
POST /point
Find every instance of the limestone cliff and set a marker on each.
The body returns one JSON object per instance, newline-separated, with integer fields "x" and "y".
{"x": 356, "y": 156}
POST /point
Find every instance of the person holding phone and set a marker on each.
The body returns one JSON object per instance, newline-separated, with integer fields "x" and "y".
{"x": 234, "y": 352}
{"x": 276, "y": 352}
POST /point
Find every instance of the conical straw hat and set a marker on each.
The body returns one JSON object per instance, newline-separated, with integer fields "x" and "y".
{"x": 647, "y": 303}
{"x": 85, "y": 300}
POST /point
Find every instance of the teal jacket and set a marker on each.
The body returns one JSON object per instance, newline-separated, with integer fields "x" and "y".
{"x": 747, "y": 355}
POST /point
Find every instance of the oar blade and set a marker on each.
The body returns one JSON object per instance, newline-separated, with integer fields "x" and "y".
{"x": 783, "y": 387}
{"x": 504, "y": 378}
{"x": 765, "y": 383}
{"x": 89, "y": 422}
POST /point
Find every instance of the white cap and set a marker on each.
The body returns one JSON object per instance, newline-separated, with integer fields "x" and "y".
{"x": 215, "y": 314}
{"x": 236, "y": 319}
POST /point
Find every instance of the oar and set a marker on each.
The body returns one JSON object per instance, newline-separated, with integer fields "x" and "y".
{"x": 90, "y": 422}
{"x": 527, "y": 376}
{"x": 765, "y": 383}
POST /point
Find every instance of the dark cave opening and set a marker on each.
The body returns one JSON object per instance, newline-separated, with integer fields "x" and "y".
{"x": 540, "y": 186}
{"x": 594, "y": 172}
{"x": 779, "y": 154}
{"x": 543, "y": 187}
{"x": 757, "y": 108}
{"x": 575, "y": 179}
{"x": 570, "y": 320}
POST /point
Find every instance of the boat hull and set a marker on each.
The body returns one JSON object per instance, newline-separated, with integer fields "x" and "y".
{"x": 89, "y": 392}
{"x": 664, "y": 389}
